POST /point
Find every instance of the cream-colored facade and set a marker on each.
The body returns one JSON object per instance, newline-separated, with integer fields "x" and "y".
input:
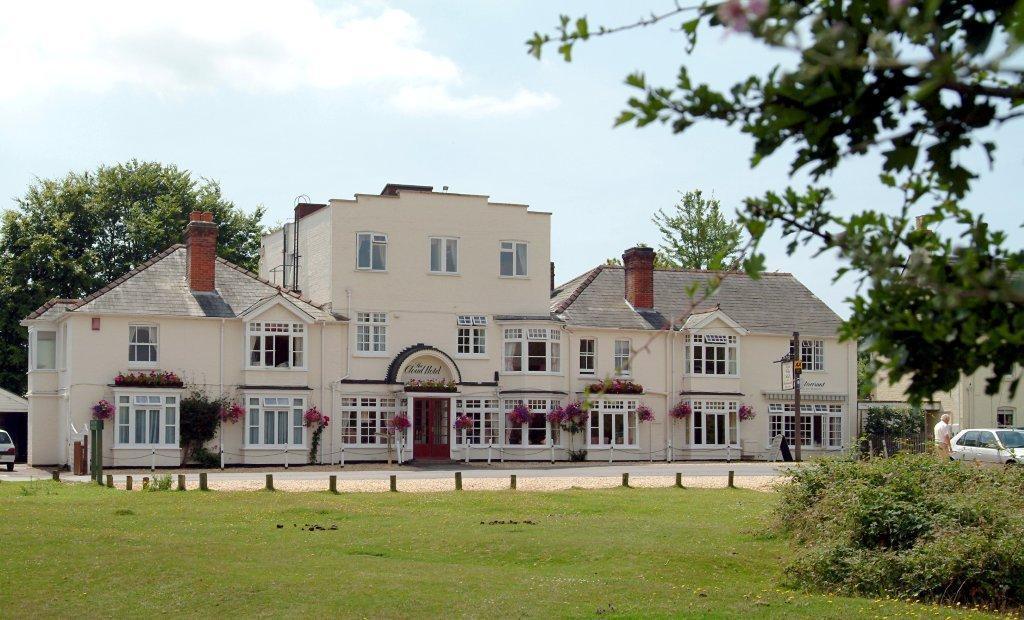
{"x": 420, "y": 286}
{"x": 968, "y": 404}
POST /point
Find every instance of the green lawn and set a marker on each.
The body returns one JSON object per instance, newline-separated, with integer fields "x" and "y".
{"x": 86, "y": 551}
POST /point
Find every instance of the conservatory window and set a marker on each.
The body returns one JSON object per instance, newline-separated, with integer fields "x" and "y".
{"x": 364, "y": 419}
{"x": 537, "y": 431}
{"x": 821, "y": 425}
{"x": 715, "y": 423}
{"x": 484, "y": 412}
{"x": 613, "y": 422}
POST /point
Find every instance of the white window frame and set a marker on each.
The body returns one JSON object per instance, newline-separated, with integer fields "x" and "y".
{"x": 812, "y": 354}
{"x": 621, "y": 411}
{"x": 258, "y": 404}
{"x": 621, "y": 360}
{"x": 33, "y": 350}
{"x": 486, "y": 416}
{"x": 520, "y": 338}
{"x": 588, "y": 355}
{"x": 371, "y": 333}
{"x": 296, "y": 333}
{"x": 712, "y": 415}
{"x": 133, "y": 330}
{"x": 537, "y": 406}
{"x": 363, "y": 418}
{"x": 471, "y": 336}
{"x": 512, "y": 246}
{"x": 782, "y": 418}
{"x": 444, "y": 269}
{"x": 130, "y": 402}
{"x": 374, "y": 239}
{"x": 697, "y": 345}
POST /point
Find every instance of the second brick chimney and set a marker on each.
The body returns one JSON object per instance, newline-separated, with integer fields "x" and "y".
{"x": 201, "y": 252}
{"x": 639, "y": 264}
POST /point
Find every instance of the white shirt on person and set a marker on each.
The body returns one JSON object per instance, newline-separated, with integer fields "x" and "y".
{"x": 943, "y": 432}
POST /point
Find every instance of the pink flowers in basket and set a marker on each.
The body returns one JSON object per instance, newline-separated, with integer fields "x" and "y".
{"x": 616, "y": 386}
{"x": 746, "y": 412}
{"x": 102, "y": 410}
{"x": 681, "y": 411}
{"x": 644, "y": 413}
{"x": 231, "y": 413}
{"x": 313, "y": 417}
{"x": 153, "y": 378}
{"x": 399, "y": 422}
{"x": 463, "y": 423}
{"x": 519, "y": 415}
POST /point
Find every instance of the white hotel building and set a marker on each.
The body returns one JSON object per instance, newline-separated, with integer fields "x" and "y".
{"x": 356, "y": 300}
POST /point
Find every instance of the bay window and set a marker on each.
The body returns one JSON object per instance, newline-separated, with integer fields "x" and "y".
{"x": 715, "y": 423}
{"x": 276, "y": 345}
{"x": 147, "y": 420}
{"x": 613, "y": 423}
{"x": 371, "y": 332}
{"x": 712, "y": 354}
{"x": 364, "y": 419}
{"x": 275, "y": 422}
{"x": 471, "y": 337}
{"x": 484, "y": 413}
{"x": 535, "y": 349}
{"x": 537, "y": 431}
{"x": 371, "y": 251}
{"x": 821, "y": 424}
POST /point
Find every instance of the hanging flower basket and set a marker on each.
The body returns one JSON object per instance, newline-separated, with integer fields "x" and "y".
{"x": 399, "y": 422}
{"x": 231, "y": 413}
{"x": 153, "y": 378}
{"x": 102, "y": 410}
{"x": 681, "y": 411}
{"x": 519, "y": 415}
{"x": 616, "y": 386}
{"x": 556, "y": 416}
{"x": 574, "y": 418}
{"x": 313, "y": 417}
{"x": 644, "y": 413}
{"x": 746, "y": 412}
{"x": 463, "y": 423}
{"x": 431, "y": 385}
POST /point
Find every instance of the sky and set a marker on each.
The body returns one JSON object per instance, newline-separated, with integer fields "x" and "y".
{"x": 276, "y": 100}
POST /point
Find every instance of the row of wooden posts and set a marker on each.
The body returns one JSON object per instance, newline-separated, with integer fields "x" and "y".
{"x": 333, "y": 481}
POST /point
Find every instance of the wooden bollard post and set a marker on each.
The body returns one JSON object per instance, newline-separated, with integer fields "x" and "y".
{"x": 394, "y": 483}
{"x": 56, "y": 475}
{"x": 731, "y": 474}
{"x": 332, "y": 483}
{"x": 679, "y": 480}
{"x": 127, "y": 483}
{"x": 625, "y": 479}
{"x": 181, "y": 482}
{"x": 512, "y": 482}
{"x": 270, "y": 482}
{"x": 458, "y": 481}
{"x": 110, "y": 481}
{"x": 202, "y": 482}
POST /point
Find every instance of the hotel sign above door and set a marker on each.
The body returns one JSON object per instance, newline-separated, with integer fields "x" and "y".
{"x": 426, "y": 368}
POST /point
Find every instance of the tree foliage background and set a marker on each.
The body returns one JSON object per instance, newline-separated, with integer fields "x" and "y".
{"x": 914, "y": 81}
{"x": 70, "y": 236}
{"x": 695, "y": 234}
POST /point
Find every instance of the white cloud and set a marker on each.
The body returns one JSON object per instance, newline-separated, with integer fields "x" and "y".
{"x": 256, "y": 46}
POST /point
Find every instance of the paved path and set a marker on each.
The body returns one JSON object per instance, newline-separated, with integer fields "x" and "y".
{"x": 445, "y": 471}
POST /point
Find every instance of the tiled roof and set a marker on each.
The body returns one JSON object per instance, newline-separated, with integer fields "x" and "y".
{"x": 159, "y": 287}
{"x": 777, "y": 303}
{"x": 52, "y": 309}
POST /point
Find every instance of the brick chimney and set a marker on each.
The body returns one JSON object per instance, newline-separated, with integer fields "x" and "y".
{"x": 639, "y": 264}
{"x": 201, "y": 251}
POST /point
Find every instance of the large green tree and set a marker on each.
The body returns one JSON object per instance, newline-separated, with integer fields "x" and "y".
{"x": 71, "y": 235}
{"x": 923, "y": 84}
{"x": 695, "y": 235}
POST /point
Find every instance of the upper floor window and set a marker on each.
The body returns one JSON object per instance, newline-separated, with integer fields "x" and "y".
{"x": 275, "y": 421}
{"x": 812, "y": 353}
{"x": 147, "y": 420}
{"x": 372, "y": 251}
{"x": 712, "y": 354}
{"x": 142, "y": 344}
{"x": 588, "y": 356}
{"x": 45, "y": 350}
{"x": 513, "y": 259}
{"x": 622, "y": 355}
{"x": 472, "y": 335}
{"x": 277, "y": 345}
{"x": 535, "y": 349}
{"x": 371, "y": 332}
{"x": 1004, "y": 417}
{"x": 444, "y": 255}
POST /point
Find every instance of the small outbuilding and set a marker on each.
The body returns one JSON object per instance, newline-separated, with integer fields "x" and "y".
{"x": 14, "y": 420}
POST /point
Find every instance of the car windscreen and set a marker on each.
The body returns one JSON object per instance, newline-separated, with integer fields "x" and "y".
{"x": 1011, "y": 439}
{"x": 5, "y": 438}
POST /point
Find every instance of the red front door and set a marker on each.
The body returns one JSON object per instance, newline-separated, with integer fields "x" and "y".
{"x": 430, "y": 428}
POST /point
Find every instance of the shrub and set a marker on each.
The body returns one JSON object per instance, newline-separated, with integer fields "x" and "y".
{"x": 160, "y": 483}
{"x": 909, "y": 526}
{"x": 200, "y": 416}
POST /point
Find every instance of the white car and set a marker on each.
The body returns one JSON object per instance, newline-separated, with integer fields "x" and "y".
{"x": 7, "y": 450}
{"x": 989, "y": 445}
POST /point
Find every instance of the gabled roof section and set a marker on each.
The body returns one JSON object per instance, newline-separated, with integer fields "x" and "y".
{"x": 159, "y": 287}
{"x": 52, "y": 309}
{"x": 698, "y": 320}
{"x": 777, "y": 303}
{"x": 11, "y": 402}
{"x": 278, "y": 299}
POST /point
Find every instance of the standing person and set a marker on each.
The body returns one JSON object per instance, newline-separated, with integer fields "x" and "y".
{"x": 943, "y": 435}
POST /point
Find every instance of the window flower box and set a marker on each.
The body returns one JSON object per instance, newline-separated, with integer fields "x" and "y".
{"x": 616, "y": 386}
{"x": 431, "y": 385}
{"x": 153, "y": 378}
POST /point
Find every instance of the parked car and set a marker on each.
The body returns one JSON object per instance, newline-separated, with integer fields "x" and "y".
{"x": 989, "y": 445}
{"x": 7, "y": 450}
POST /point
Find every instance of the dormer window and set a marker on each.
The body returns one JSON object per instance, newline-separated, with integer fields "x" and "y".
{"x": 277, "y": 345}
{"x": 712, "y": 354}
